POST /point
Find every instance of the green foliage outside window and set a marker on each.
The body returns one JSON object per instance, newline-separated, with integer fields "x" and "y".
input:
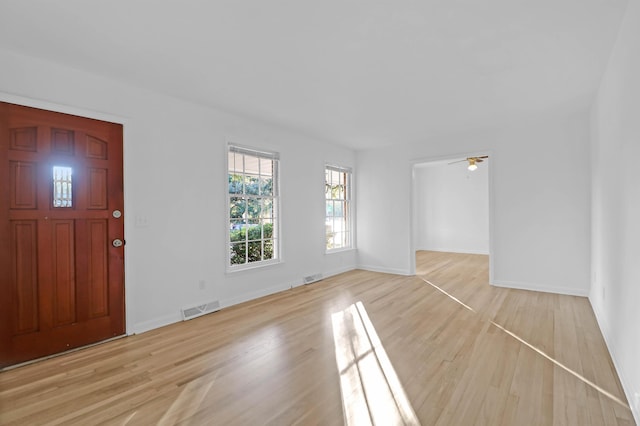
{"x": 251, "y": 238}
{"x": 250, "y": 185}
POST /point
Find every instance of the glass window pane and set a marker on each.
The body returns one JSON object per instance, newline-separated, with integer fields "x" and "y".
{"x": 266, "y": 186}
{"x": 238, "y": 254}
{"x": 237, "y": 231}
{"x": 237, "y": 207}
{"x": 328, "y": 233}
{"x": 251, "y": 183}
{"x": 267, "y": 229}
{"x": 254, "y": 230}
{"x": 255, "y": 251}
{"x": 235, "y": 183}
{"x": 268, "y": 250}
{"x": 336, "y": 241}
{"x": 330, "y": 240}
{"x": 253, "y": 208}
{"x": 62, "y": 188}
{"x": 267, "y": 208}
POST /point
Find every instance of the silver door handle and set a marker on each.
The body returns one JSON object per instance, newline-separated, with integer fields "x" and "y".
{"x": 117, "y": 242}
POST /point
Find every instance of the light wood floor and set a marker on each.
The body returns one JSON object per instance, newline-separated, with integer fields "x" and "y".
{"x": 459, "y": 352}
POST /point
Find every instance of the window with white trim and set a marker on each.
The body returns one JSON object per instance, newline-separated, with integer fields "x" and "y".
{"x": 253, "y": 202}
{"x": 338, "y": 211}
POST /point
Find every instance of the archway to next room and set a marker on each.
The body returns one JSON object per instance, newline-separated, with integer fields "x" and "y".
{"x": 451, "y": 213}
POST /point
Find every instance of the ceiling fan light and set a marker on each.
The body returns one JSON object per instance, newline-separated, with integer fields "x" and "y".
{"x": 472, "y": 164}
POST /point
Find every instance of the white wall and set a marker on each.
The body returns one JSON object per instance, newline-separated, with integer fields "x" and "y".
{"x": 540, "y": 229}
{"x": 452, "y": 207}
{"x": 175, "y": 177}
{"x": 615, "y": 279}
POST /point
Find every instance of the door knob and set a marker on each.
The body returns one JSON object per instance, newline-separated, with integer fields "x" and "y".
{"x": 117, "y": 242}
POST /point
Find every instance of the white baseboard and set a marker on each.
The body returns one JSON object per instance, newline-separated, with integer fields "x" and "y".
{"x": 225, "y": 303}
{"x": 384, "y": 270}
{"x": 145, "y": 326}
{"x": 450, "y": 250}
{"x": 328, "y": 274}
{"x": 543, "y": 288}
{"x": 339, "y": 271}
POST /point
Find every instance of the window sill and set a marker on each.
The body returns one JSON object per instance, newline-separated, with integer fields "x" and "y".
{"x": 252, "y": 266}
{"x": 340, "y": 250}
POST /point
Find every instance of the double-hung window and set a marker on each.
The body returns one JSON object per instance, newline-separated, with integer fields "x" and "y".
{"x": 338, "y": 208}
{"x": 253, "y": 207}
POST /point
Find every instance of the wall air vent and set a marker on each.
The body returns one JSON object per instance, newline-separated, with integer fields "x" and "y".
{"x": 199, "y": 310}
{"x": 312, "y": 278}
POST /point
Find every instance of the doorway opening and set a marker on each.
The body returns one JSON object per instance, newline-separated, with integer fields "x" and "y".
{"x": 451, "y": 210}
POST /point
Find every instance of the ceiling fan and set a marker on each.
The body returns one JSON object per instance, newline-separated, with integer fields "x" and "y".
{"x": 472, "y": 161}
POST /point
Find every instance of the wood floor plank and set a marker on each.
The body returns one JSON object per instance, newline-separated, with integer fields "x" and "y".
{"x": 463, "y": 352}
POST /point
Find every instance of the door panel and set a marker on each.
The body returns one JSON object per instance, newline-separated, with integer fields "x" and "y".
{"x": 98, "y": 294}
{"x": 61, "y": 280}
{"x": 22, "y": 179}
{"x": 24, "y": 287}
{"x": 64, "y": 279}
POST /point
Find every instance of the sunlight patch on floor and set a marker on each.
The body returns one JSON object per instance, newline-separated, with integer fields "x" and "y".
{"x": 455, "y": 299}
{"x": 370, "y": 388}
{"x": 128, "y": 419}
{"x": 189, "y": 400}
{"x": 564, "y": 367}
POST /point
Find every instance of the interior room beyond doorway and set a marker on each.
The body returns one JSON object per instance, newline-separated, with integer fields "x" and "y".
{"x": 451, "y": 205}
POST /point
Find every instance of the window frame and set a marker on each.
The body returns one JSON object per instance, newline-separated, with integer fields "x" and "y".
{"x": 349, "y": 205}
{"x": 275, "y": 197}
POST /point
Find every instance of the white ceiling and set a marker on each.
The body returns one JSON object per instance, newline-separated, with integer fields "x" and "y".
{"x": 359, "y": 73}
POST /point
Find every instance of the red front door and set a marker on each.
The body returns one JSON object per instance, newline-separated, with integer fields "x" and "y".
{"x": 61, "y": 221}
